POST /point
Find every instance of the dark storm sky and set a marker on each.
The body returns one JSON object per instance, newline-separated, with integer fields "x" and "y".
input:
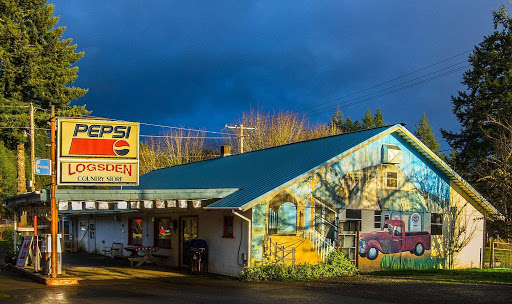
{"x": 200, "y": 64}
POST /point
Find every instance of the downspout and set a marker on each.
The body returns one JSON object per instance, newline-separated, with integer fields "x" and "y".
{"x": 249, "y": 236}
{"x": 482, "y": 254}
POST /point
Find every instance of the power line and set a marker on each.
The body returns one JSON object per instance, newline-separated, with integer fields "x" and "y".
{"x": 24, "y": 128}
{"x": 369, "y": 96}
{"x": 388, "y": 81}
{"x": 169, "y": 127}
{"x": 410, "y": 80}
{"x": 182, "y": 137}
{"x": 354, "y": 102}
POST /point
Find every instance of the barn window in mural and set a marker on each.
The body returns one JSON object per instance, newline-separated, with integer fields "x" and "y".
{"x": 436, "y": 223}
{"x": 377, "y": 219}
{"x": 392, "y": 179}
{"x": 287, "y": 218}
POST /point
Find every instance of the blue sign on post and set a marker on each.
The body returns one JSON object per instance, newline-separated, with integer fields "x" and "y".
{"x": 43, "y": 166}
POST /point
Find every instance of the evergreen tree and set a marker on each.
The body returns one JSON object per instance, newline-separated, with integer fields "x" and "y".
{"x": 338, "y": 120}
{"x": 357, "y": 126}
{"x": 378, "y": 119}
{"x": 487, "y": 96}
{"x": 368, "y": 121}
{"x": 349, "y": 125}
{"x": 36, "y": 66}
{"x": 424, "y": 133}
{"x": 482, "y": 110}
{"x": 7, "y": 171}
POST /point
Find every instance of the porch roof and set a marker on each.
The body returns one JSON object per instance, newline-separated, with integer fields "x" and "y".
{"x": 117, "y": 195}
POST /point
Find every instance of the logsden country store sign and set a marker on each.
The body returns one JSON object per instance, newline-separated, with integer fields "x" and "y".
{"x": 97, "y": 152}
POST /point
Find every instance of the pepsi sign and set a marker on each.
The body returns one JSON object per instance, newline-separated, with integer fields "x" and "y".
{"x": 97, "y": 152}
{"x": 98, "y": 139}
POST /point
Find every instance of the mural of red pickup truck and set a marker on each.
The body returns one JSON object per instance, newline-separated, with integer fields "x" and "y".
{"x": 393, "y": 240}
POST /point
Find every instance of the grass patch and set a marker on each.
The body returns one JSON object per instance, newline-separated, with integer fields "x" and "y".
{"x": 487, "y": 275}
{"x": 335, "y": 265}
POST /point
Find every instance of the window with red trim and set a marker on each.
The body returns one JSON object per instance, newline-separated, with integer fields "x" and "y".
{"x": 135, "y": 232}
{"x": 228, "y": 227}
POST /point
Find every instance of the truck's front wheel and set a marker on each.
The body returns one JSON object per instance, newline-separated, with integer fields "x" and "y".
{"x": 372, "y": 253}
{"x": 419, "y": 249}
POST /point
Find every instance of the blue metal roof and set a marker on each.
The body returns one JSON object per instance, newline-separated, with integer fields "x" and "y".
{"x": 259, "y": 172}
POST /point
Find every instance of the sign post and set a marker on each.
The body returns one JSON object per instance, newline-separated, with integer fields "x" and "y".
{"x": 53, "y": 204}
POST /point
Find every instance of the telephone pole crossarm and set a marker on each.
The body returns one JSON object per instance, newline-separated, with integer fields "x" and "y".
{"x": 241, "y": 136}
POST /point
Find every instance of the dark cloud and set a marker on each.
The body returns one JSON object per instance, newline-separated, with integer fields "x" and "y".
{"x": 202, "y": 63}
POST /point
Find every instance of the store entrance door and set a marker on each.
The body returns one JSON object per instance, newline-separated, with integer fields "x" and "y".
{"x": 188, "y": 232}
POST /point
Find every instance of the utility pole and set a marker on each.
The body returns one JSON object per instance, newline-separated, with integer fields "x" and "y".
{"x": 241, "y": 136}
{"x": 53, "y": 205}
{"x": 32, "y": 151}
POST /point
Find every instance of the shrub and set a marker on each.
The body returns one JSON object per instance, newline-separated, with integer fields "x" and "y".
{"x": 335, "y": 265}
{"x": 7, "y": 236}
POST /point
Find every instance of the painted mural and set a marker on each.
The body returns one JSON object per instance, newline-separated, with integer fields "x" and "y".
{"x": 387, "y": 179}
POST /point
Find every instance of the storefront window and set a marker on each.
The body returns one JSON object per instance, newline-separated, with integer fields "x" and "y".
{"x": 135, "y": 232}
{"x": 164, "y": 228}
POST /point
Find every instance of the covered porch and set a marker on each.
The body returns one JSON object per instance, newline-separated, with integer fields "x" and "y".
{"x": 166, "y": 219}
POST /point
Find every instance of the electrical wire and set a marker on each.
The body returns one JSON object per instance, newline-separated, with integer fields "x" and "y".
{"x": 180, "y": 137}
{"x": 388, "y": 81}
{"x": 164, "y": 126}
{"x": 409, "y": 81}
{"x": 240, "y": 245}
{"x": 369, "y": 96}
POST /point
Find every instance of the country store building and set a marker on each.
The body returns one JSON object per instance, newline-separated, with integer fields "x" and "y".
{"x": 379, "y": 195}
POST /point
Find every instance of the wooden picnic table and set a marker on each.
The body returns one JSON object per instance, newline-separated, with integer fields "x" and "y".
{"x": 141, "y": 259}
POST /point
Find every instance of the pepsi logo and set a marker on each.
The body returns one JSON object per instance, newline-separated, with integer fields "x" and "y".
{"x": 121, "y": 147}
{"x": 415, "y": 218}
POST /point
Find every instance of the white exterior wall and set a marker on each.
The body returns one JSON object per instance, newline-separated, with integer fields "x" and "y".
{"x": 471, "y": 254}
{"x": 224, "y": 257}
{"x": 107, "y": 230}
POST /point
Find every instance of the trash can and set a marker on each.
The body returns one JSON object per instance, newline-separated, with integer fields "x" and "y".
{"x": 198, "y": 256}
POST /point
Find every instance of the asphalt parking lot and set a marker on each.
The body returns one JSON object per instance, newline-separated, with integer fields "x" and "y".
{"x": 104, "y": 281}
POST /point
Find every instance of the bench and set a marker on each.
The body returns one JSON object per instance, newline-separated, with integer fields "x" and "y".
{"x": 115, "y": 250}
